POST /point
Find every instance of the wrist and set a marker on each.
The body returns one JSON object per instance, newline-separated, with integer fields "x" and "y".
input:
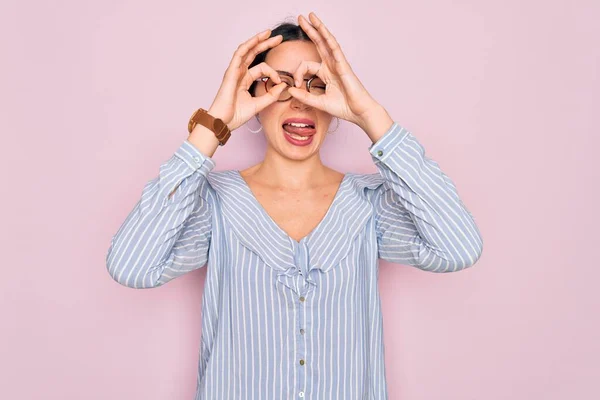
{"x": 216, "y": 113}
{"x": 376, "y": 122}
{"x": 204, "y": 139}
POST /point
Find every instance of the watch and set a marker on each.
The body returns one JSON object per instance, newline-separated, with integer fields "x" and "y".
{"x": 220, "y": 128}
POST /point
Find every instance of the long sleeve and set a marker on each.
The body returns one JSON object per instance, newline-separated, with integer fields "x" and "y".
{"x": 168, "y": 232}
{"x": 420, "y": 219}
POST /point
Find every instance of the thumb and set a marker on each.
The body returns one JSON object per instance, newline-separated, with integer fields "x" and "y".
{"x": 304, "y": 96}
{"x": 270, "y": 97}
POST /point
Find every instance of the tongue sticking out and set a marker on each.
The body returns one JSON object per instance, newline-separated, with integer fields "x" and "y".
{"x": 299, "y": 131}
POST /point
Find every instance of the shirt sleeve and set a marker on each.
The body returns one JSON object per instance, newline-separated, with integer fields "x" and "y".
{"x": 168, "y": 232}
{"x": 420, "y": 218}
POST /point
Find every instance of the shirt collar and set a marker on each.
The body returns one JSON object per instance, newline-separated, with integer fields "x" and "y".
{"x": 319, "y": 251}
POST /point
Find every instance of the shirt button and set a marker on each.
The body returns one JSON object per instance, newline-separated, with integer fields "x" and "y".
{"x": 302, "y": 331}
{"x": 301, "y": 394}
{"x": 380, "y": 153}
{"x": 302, "y": 298}
{"x": 301, "y": 362}
{"x": 197, "y": 159}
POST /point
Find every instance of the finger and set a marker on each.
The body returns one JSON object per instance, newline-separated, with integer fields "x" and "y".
{"x": 242, "y": 50}
{"x": 231, "y": 77}
{"x": 307, "y": 67}
{"x": 331, "y": 41}
{"x": 258, "y": 71}
{"x": 260, "y": 47}
{"x": 306, "y": 97}
{"x": 270, "y": 97}
{"x": 314, "y": 35}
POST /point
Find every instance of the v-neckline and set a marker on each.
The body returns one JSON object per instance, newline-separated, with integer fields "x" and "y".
{"x": 271, "y": 221}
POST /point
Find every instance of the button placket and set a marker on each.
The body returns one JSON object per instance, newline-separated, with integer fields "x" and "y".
{"x": 301, "y": 342}
{"x": 301, "y": 258}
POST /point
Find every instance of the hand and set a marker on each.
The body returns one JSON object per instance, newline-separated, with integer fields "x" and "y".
{"x": 233, "y": 102}
{"x": 345, "y": 97}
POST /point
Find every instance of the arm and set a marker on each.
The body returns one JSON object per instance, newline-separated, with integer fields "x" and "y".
{"x": 420, "y": 219}
{"x": 168, "y": 232}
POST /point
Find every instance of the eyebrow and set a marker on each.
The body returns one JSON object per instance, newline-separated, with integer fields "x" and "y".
{"x": 287, "y": 73}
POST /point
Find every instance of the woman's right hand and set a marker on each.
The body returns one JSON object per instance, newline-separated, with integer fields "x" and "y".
{"x": 233, "y": 102}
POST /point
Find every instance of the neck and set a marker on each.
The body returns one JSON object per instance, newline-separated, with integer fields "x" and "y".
{"x": 287, "y": 174}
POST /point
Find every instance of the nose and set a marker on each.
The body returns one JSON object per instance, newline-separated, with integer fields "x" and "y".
{"x": 298, "y": 105}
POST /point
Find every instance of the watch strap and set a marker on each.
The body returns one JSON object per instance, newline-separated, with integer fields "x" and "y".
{"x": 219, "y": 128}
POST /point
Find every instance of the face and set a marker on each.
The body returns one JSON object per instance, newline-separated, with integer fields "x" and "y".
{"x": 287, "y": 56}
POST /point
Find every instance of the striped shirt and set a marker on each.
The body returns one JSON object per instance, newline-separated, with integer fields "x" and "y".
{"x": 283, "y": 319}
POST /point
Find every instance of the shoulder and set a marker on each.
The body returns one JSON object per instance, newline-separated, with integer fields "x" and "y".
{"x": 217, "y": 185}
{"x": 366, "y": 185}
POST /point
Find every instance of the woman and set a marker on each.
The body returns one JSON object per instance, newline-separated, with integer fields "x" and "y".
{"x": 291, "y": 305}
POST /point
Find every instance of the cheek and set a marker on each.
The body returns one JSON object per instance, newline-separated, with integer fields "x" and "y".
{"x": 274, "y": 112}
{"x": 325, "y": 121}
{"x": 268, "y": 115}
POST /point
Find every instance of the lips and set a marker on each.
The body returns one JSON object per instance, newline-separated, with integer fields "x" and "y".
{"x": 300, "y": 121}
{"x": 308, "y": 131}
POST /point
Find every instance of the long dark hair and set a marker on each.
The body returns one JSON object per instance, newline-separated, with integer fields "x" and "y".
{"x": 289, "y": 31}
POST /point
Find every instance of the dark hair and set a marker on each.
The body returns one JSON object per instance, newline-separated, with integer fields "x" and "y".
{"x": 289, "y": 31}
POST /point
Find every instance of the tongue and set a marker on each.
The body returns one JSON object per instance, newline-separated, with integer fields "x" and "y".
{"x": 297, "y": 130}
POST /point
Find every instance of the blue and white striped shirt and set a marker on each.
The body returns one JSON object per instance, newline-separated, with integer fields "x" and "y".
{"x": 283, "y": 319}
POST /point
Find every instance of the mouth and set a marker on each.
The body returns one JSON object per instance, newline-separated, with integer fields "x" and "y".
{"x": 299, "y": 128}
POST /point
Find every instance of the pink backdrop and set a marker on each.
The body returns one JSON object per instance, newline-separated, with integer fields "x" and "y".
{"x": 504, "y": 95}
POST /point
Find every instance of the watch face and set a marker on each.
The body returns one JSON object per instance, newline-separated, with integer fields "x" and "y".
{"x": 219, "y": 124}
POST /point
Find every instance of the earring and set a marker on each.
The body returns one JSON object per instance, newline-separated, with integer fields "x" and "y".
{"x": 259, "y": 129}
{"x": 337, "y": 126}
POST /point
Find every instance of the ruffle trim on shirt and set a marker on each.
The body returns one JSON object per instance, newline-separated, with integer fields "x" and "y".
{"x": 297, "y": 263}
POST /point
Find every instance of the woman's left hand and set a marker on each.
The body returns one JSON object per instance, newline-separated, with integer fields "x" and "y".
{"x": 345, "y": 97}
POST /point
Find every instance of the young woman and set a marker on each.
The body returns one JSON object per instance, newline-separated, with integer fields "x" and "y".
{"x": 291, "y": 304}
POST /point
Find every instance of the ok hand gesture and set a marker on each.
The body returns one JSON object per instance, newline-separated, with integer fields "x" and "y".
{"x": 345, "y": 96}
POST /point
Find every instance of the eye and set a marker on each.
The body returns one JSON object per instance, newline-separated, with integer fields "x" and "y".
{"x": 288, "y": 80}
{"x": 318, "y": 83}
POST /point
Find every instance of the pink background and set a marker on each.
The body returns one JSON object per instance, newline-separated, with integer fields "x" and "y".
{"x": 504, "y": 95}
